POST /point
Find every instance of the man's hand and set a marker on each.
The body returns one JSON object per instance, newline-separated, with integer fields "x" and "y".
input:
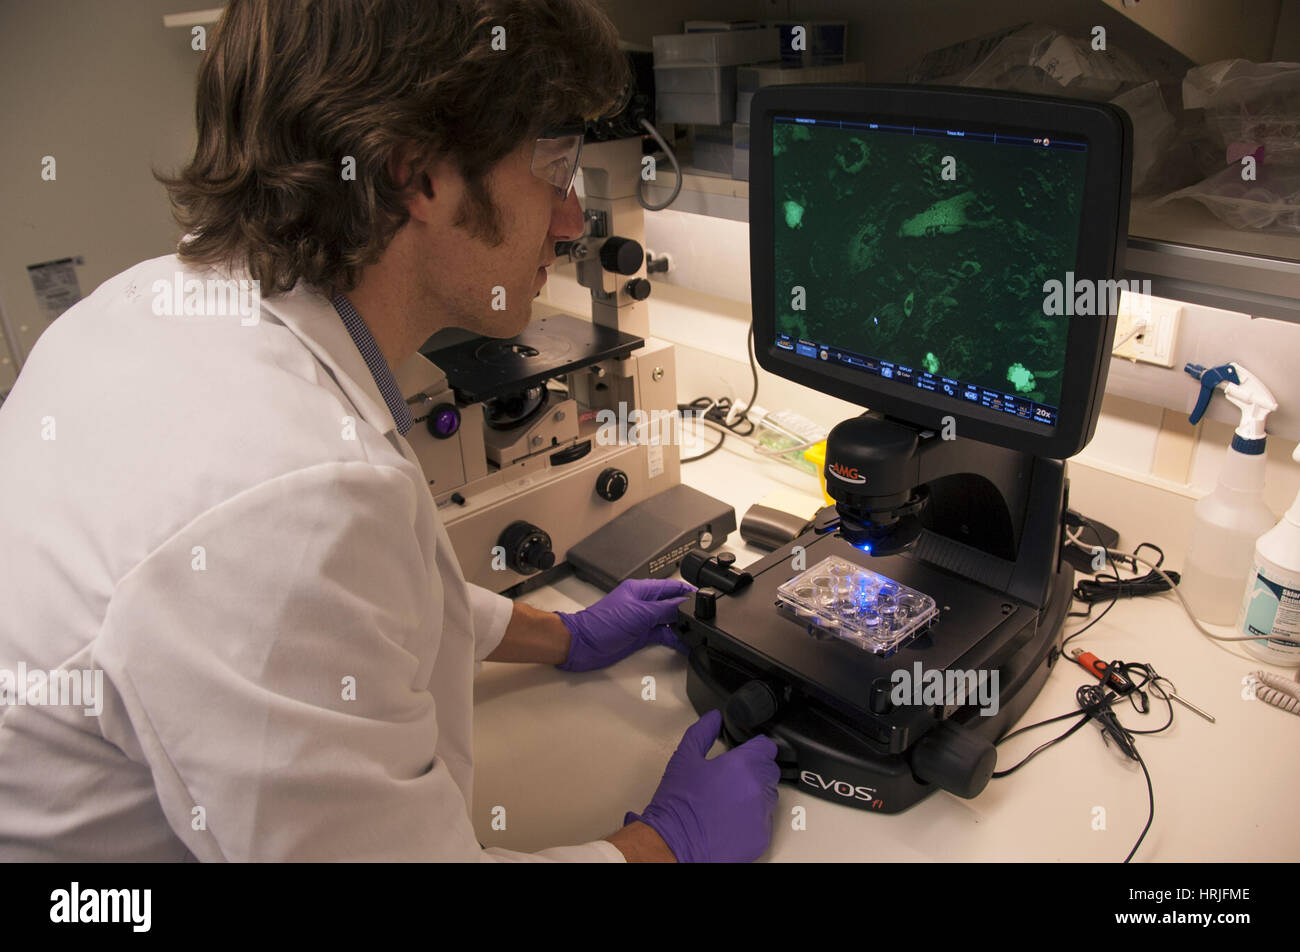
{"x": 634, "y": 615}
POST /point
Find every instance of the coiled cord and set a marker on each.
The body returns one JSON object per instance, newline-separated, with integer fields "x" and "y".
{"x": 1277, "y": 690}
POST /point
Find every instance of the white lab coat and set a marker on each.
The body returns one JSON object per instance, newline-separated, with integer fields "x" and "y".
{"x": 287, "y": 643}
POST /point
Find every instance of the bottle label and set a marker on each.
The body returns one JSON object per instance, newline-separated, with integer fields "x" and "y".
{"x": 1271, "y": 609}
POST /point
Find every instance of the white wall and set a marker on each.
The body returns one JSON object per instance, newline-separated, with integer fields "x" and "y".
{"x": 102, "y": 87}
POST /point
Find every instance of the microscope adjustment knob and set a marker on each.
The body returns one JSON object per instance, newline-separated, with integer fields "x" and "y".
{"x": 638, "y": 289}
{"x": 444, "y": 421}
{"x": 751, "y": 706}
{"x": 537, "y": 554}
{"x": 611, "y": 484}
{"x": 879, "y": 700}
{"x": 528, "y": 548}
{"x": 622, "y": 256}
{"x": 954, "y": 758}
{"x": 706, "y": 603}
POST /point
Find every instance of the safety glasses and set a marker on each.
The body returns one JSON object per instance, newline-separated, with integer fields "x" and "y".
{"x": 555, "y": 156}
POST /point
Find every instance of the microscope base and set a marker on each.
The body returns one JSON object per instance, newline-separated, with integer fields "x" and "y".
{"x": 836, "y": 756}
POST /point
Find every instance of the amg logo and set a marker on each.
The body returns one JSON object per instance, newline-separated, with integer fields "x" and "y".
{"x": 848, "y": 474}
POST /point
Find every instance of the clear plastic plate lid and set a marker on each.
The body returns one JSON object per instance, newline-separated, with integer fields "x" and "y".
{"x": 843, "y": 599}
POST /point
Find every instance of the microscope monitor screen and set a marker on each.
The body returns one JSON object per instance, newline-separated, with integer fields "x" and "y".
{"x": 943, "y": 256}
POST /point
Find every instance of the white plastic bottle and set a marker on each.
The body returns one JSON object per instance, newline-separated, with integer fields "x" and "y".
{"x": 1272, "y": 602}
{"x": 1230, "y": 519}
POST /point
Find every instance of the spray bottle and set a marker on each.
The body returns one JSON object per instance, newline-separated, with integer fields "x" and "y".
{"x": 1230, "y": 519}
{"x": 1272, "y": 602}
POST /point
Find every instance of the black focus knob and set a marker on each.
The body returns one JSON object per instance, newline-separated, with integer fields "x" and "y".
{"x": 539, "y": 555}
{"x": 527, "y": 548}
{"x": 611, "y": 484}
{"x": 879, "y": 700}
{"x": 749, "y": 708}
{"x": 955, "y": 759}
{"x": 638, "y": 289}
{"x": 622, "y": 256}
{"x": 706, "y": 603}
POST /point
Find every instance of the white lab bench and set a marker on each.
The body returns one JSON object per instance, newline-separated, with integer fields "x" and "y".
{"x": 566, "y": 755}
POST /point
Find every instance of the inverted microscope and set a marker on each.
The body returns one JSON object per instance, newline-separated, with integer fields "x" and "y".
{"x": 902, "y": 240}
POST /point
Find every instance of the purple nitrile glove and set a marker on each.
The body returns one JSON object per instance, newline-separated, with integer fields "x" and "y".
{"x": 635, "y": 614}
{"x": 719, "y": 810}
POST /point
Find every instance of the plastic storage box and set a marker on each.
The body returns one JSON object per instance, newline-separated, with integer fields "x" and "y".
{"x": 740, "y": 151}
{"x": 713, "y": 149}
{"x": 750, "y": 78}
{"x": 695, "y": 95}
{"x": 724, "y": 48}
{"x": 824, "y": 42}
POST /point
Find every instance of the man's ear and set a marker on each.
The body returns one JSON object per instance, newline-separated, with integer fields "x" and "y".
{"x": 431, "y": 188}
{"x": 413, "y": 179}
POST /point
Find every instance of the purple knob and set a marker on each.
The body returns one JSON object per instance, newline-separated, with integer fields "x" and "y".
{"x": 444, "y": 421}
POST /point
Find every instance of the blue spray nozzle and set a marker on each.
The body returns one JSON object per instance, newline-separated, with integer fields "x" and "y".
{"x": 1210, "y": 378}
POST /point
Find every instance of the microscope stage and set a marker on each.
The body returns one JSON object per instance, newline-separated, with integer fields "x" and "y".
{"x": 486, "y": 367}
{"x": 965, "y": 625}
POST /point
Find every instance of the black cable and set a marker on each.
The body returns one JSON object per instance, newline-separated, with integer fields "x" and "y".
{"x": 998, "y": 774}
{"x": 1118, "y": 585}
{"x": 698, "y": 404}
{"x": 1097, "y": 589}
{"x": 1096, "y": 703}
{"x": 723, "y": 406}
{"x": 1151, "y": 677}
{"x": 753, "y": 369}
{"x": 722, "y": 438}
{"x": 1151, "y": 799}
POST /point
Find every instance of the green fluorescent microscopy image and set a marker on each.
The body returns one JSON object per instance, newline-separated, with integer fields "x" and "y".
{"x": 793, "y": 214}
{"x": 904, "y": 265}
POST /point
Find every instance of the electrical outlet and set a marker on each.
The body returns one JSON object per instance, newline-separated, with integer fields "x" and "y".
{"x": 1154, "y": 343}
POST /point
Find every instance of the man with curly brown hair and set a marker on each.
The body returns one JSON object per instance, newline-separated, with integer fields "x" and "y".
{"x": 229, "y": 550}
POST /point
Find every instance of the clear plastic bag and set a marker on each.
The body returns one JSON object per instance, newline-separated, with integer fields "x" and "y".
{"x": 1269, "y": 203}
{"x": 1248, "y": 105}
{"x": 1153, "y": 132}
{"x": 1248, "y": 109}
{"x": 1032, "y": 58}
